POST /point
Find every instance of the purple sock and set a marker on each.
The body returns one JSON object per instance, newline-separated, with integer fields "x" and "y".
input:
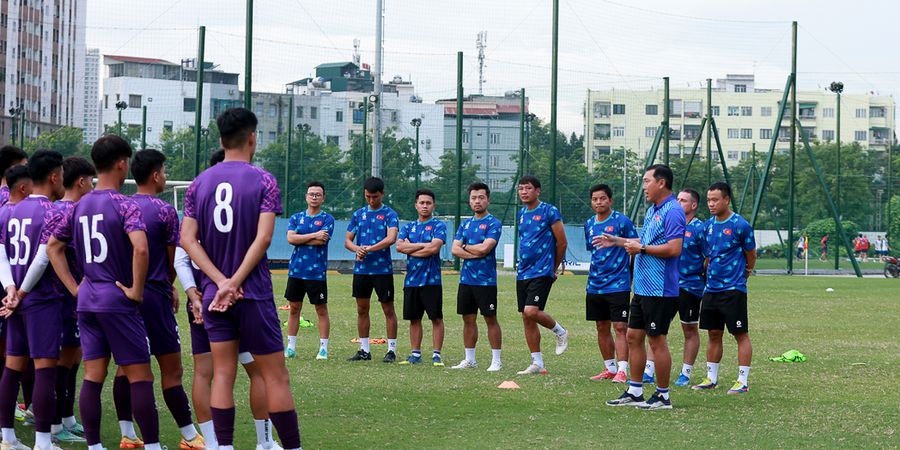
{"x": 28, "y": 384}
{"x": 62, "y": 380}
{"x": 177, "y": 402}
{"x": 223, "y": 421}
{"x": 90, "y": 407}
{"x": 288, "y": 429}
{"x": 68, "y": 409}
{"x": 122, "y": 398}
{"x": 144, "y": 410}
{"x": 9, "y": 391}
{"x": 44, "y": 398}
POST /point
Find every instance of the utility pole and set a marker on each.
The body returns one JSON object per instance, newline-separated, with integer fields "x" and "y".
{"x": 792, "y": 173}
{"x": 248, "y": 57}
{"x": 379, "y": 44}
{"x": 417, "y": 122}
{"x": 481, "y": 44}
{"x": 553, "y": 89}
{"x": 838, "y": 87}
{"x": 365, "y": 135}
{"x": 459, "y": 155}
{"x": 666, "y": 112}
{"x": 708, "y": 131}
{"x": 198, "y": 111}
{"x": 520, "y": 170}
{"x": 144, "y": 127}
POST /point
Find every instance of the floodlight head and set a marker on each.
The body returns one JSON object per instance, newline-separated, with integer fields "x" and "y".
{"x": 120, "y": 105}
{"x": 416, "y": 122}
{"x": 303, "y": 127}
{"x": 373, "y": 98}
{"x": 837, "y": 87}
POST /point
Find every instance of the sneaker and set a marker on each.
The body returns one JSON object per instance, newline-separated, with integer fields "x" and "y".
{"x": 626, "y": 399}
{"x": 682, "y": 380}
{"x": 29, "y": 420}
{"x": 194, "y": 444}
{"x": 621, "y": 377}
{"x": 129, "y": 443}
{"x": 495, "y": 366}
{"x": 64, "y": 436}
{"x": 533, "y": 369}
{"x": 305, "y": 323}
{"x": 361, "y": 355}
{"x": 706, "y": 384}
{"x": 290, "y": 353}
{"x": 76, "y": 429}
{"x": 51, "y": 447}
{"x": 466, "y": 364}
{"x": 656, "y": 402}
{"x": 649, "y": 379}
{"x": 17, "y": 445}
{"x": 389, "y": 357}
{"x": 605, "y": 375}
{"x": 562, "y": 343}
{"x": 274, "y": 446}
{"x": 20, "y": 413}
{"x": 323, "y": 354}
{"x": 411, "y": 359}
{"x": 437, "y": 361}
{"x": 739, "y": 388}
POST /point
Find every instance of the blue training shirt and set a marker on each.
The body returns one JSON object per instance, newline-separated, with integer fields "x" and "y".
{"x": 309, "y": 262}
{"x": 690, "y": 265}
{"x": 370, "y": 228}
{"x": 610, "y": 267}
{"x": 479, "y": 271}
{"x": 725, "y": 243}
{"x": 423, "y": 271}
{"x": 537, "y": 245}
{"x": 655, "y": 276}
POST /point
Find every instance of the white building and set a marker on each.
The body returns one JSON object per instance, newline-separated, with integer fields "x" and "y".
{"x": 744, "y": 116}
{"x": 91, "y": 122}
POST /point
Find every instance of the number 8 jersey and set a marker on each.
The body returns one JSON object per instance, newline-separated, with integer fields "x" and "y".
{"x": 98, "y": 225}
{"x": 226, "y": 200}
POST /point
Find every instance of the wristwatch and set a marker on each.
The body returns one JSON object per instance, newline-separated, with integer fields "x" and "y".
{"x": 643, "y": 249}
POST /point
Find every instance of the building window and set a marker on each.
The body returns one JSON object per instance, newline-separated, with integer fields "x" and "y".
{"x": 746, "y": 133}
{"x": 618, "y": 110}
{"x": 259, "y": 108}
{"x": 465, "y": 135}
{"x": 358, "y": 116}
{"x": 105, "y": 101}
{"x": 715, "y": 111}
{"x": 740, "y": 88}
{"x": 338, "y": 116}
{"x": 765, "y": 133}
{"x": 675, "y": 132}
{"x": 765, "y": 111}
{"x": 134, "y": 101}
{"x": 734, "y": 133}
{"x": 860, "y": 135}
{"x": 333, "y": 140}
{"x": 877, "y": 111}
{"x": 734, "y": 111}
{"x": 860, "y": 113}
{"x": 601, "y": 131}
{"x": 272, "y": 136}
{"x": 650, "y": 132}
{"x": 167, "y": 126}
{"x": 190, "y": 105}
{"x": 828, "y": 112}
{"x": 395, "y": 117}
{"x": 273, "y": 110}
{"x": 651, "y": 110}
{"x": 692, "y": 109}
{"x": 313, "y": 112}
{"x": 601, "y": 109}
{"x": 674, "y": 108}
{"x": 618, "y": 131}
{"x": 601, "y": 150}
{"x": 299, "y": 112}
{"x": 495, "y": 161}
{"x": 733, "y": 155}
{"x": 828, "y": 135}
{"x": 746, "y": 111}
{"x": 691, "y": 131}
{"x": 495, "y": 138}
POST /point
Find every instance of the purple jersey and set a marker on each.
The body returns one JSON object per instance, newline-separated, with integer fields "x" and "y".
{"x": 226, "y": 200}
{"x": 29, "y": 225}
{"x": 65, "y": 208}
{"x": 98, "y": 225}
{"x": 4, "y": 195}
{"x": 162, "y": 232}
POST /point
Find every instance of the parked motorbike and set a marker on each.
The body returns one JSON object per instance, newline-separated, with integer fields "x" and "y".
{"x": 891, "y": 267}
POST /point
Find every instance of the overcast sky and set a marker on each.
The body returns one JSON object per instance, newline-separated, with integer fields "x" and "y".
{"x": 620, "y": 44}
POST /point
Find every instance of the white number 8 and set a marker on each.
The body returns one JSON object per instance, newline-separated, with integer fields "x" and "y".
{"x": 223, "y": 205}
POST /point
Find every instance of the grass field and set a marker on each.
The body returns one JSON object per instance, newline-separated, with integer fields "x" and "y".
{"x": 814, "y": 263}
{"x": 846, "y": 395}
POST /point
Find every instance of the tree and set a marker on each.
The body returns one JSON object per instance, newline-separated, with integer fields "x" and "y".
{"x": 444, "y": 182}
{"x": 66, "y": 140}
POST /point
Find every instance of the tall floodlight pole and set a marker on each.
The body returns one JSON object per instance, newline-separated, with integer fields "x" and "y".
{"x": 837, "y": 87}
{"x": 379, "y": 42}
{"x": 248, "y": 56}
{"x": 708, "y": 131}
{"x": 365, "y": 134}
{"x": 144, "y": 127}
{"x": 666, "y": 112}
{"x": 520, "y": 170}
{"x": 287, "y": 158}
{"x": 121, "y": 105}
{"x": 553, "y": 89}
{"x": 417, "y": 122}
{"x": 792, "y": 173}
{"x": 459, "y": 150}
{"x": 198, "y": 111}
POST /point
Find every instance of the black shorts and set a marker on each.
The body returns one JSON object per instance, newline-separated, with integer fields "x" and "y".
{"x": 652, "y": 314}
{"x": 688, "y": 307}
{"x": 533, "y": 292}
{"x": 419, "y": 300}
{"x": 721, "y": 309}
{"x": 470, "y": 299}
{"x": 612, "y": 306}
{"x": 297, "y": 288}
{"x": 382, "y": 284}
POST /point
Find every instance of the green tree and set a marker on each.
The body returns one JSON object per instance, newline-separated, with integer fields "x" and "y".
{"x": 444, "y": 182}
{"x": 66, "y": 140}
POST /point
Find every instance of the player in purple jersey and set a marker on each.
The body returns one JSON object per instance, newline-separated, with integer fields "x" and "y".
{"x": 110, "y": 240}
{"x": 34, "y": 314}
{"x": 78, "y": 180}
{"x": 20, "y": 186}
{"x": 10, "y": 156}
{"x": 160, "y": 301}
{"x": 229, "y": 217}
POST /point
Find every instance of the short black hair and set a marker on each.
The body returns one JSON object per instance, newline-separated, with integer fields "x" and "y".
{"x": 15, "y": 175}
{"x": 425, "y": 191}
{"x": 478, "y": 186}
{"x": 10, "y": 155}
{"x": 373, "y": 185}
{"x": 662, "y": 172}
{"x": 145, "y": 162}
{"x": 316, "y": 183}
{"x": 43, "y": 163}
{"x": 602, "y": 187}
{"x": 530, "y": 179}
{"x": 722, "y": 187}
{"x": 694, "y": 194}
{"x": 235, "y": 126}
{"x": 108, "y": 150}
{"x": 75, "y": 167}
{"x": 217, "y": 157}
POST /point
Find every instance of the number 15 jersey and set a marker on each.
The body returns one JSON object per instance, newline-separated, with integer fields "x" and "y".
{"x": 226, "y": 200}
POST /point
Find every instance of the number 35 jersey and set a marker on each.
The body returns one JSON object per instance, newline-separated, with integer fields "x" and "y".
{"x": 226, "y": 200}
{"x": 98, "y": 227}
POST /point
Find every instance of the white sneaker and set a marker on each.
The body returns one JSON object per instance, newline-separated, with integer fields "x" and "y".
{"x": 51, "y": 447}
{"x": 495, "y": 366}
{"x": 17, "y": 445}
{"x": 562, "y": 343}
{"x": 466, "y": 364}
{"x": 274, "y": 446}
{"x": 533, "y": 369}
{"x": 323, "y": 354}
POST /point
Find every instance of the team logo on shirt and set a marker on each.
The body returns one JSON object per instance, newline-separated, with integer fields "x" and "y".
{"x": 428, "y": 228}
{"x": 658, "y": 217}
{"x": 537, "y": 217}
{"x": 688, "y": 234}
{"x": 318, "y": 223}
{"x": 482, "y": 226}
{"x": 610, "y": 229}
{"x": 380, "y": 217}
{"x": 727, "y": 232}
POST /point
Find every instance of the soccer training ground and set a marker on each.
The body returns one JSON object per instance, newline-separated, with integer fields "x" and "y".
{"x": 846, "y": 395}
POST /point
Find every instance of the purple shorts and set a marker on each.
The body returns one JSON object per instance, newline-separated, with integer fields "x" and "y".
{"x": 121, "y": 334}
{"x": 200, "y": 339}
{"x": 35, "y": 332}
{"x": 254, "y": 322}
{"x": 159, "y": 321}
{"x": 70, "y": 334}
